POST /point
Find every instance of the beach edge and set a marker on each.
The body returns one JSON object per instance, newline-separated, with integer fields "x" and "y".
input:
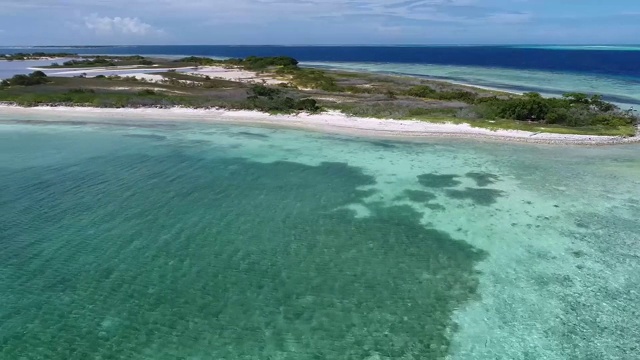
{"x": 332, "y": 122}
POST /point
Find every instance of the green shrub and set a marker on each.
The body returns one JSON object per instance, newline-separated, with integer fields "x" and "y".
{"x": 277, "y": 105}
{"x": 269, "y": 99}
{"x": 259, "y": 63}
{"x": 557, "y": 116}
{"x": 35, "y": 78}
{"x": 421, "y": 91}
{"x": 264, "y": 91}
{"x": 38, "y": 74}
{"x": 250, "y": 63}
{"x": 97, "y": 61}
{"x": 576, "y": 98}
{"x": 464, "y": 96}
{"x": 610, "y": 120}
{"x": 147, "y": 92}
{"x": 310, "y": 105}
{"x": 312, "y": 79}
{"x": 424, "y": 91}
{"x": 81, "y": 91}
{"x": 524, "y": 108}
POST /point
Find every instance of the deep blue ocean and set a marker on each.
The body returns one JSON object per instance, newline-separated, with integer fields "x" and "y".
{"x": 610, "y": 61}
{"x": 613, "y": 71}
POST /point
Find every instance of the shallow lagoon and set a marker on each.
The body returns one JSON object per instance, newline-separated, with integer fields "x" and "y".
{"x": 221, "y": 242}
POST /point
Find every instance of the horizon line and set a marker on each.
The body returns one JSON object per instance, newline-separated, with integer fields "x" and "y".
{"x": 316, "y": 45}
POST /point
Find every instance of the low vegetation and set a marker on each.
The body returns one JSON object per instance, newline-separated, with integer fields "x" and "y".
{"x": 282, "y": 66}
{"x": 274, "y": 100}
{"x": 104, "y": 61}
{"x": 573, "y": 109}
{"x": 310, "y": 79}
{"x": 311, "y": 90}
{"x": 424, "y": 91}
{"x": 122, "y": 92}
{"x": 97, "y": 61}
{"x": 250, "y": 63}
{"x": 35, "y": 78}
{"x": 33, "y": 56}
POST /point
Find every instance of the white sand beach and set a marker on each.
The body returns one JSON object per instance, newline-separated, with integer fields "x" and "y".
{"x": 235, "y": 74}
{"x": 329, "y": 122}
{"x": 147, "y": 73}
{"x": 127, "y": 70}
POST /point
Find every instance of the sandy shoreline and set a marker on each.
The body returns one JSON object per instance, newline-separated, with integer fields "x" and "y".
{"x": 329, "y": 122}
{"x": 103, "y": 69}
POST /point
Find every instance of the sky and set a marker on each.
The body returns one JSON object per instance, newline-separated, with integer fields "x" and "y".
{"x": 288, "y": 22}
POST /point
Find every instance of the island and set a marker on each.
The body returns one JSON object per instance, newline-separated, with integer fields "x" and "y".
{"x": 279, "y": 90}
{"x": 35, "y": 56}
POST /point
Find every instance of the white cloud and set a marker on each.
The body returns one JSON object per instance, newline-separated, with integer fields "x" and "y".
{"x": 259, "y": 10}
{"x": 463, "y": 12}
{"x": 208, "y": 12}
{"x": 119, "y": 26}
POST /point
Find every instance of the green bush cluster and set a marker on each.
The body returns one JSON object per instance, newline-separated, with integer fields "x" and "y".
{"x": 425, "y": 91}
{"x": 274, "y": 100}
{"x": 308, "y": 104}
{"x": 97, "y": 61}
{"x": 261, "y": 63}
{"x": 457, "y": 95}
{"x": 593, "y": 101}
{"x": 257, "y": 91}
{"x": 202, "y": 61}
{"x": 422, "y": 91}
{"x": 131, "y": 58}
{"x": 572, "y": 109}
{"x": 249, "y": 63}
{"x": 528, "y": 107}
{"x": 35, "y": 78}
{"x": 311, "y": 78}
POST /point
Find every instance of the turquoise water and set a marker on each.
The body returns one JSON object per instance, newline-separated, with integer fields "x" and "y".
{"x": 582, "y": 47}
{"x": 192, "y": 241}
